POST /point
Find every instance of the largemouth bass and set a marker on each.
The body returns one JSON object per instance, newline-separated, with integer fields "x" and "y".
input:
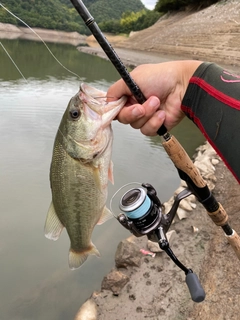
{"x": 80, "y": 168}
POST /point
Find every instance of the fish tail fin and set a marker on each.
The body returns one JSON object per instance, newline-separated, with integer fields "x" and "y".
{"x": 76, "y": 259}
{"x": 53, "y": 226}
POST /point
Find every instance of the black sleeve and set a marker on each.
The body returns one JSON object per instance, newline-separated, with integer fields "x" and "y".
{"x": 212, "y": 102}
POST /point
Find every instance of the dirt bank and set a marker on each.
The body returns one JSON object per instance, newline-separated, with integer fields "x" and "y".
{"x": 211, "y": 34}
{"x": 9, "y": 31}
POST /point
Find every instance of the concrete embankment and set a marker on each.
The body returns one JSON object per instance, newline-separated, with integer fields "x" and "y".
{"x": 211, "y": 34}
{"x": 9, "y": 31}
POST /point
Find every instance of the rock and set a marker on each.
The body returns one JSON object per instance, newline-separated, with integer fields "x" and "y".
{"x": 88, "y": 311}
{"x": 195, "y": 229}
{"x": 115, "y": 281}
{"x": 128, "y": 254}
{"x": 185, "y": 205}
{"x": 193, "y": 205}
{"x": 154, "y": 247}
{"x": 210, "y": 177}
{"x": 183, "y": 184}
{"x": 215, "y": 161}
{"x": 167, "y": 206}
{"x": 204, "y": 166}
{"x": 205, "y": 159}
{"x": 182, "y": 214}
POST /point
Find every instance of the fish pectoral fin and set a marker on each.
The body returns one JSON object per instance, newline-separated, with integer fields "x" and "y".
{"x": 76, "y": 259}
{"x": 105, "y": 216}
{"x": 53, "y": 226}
{"x": 110, "y": 173}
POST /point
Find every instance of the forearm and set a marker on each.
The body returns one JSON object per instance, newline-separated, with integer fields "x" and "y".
{"x": 212, "y": 102}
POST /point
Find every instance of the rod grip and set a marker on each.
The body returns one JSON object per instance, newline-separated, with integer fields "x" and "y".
{"x": 219, "y": 217}
{"x": 234, "y": 241}
{"x": 182, "y": 161}
{"x": 195, "y": 288}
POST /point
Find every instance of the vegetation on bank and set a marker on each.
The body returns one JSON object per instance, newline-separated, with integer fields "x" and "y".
{"x": 61, "y": 15}
{"x": 168, "y": 5}
{"x": 134, "y": 21}
{"x": 130, "y": 21}
{"x": 120, "y": 17}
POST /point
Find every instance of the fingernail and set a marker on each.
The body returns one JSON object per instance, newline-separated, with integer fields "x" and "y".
{"x": 137, "y": 112}
{"x": 154, "y": 102}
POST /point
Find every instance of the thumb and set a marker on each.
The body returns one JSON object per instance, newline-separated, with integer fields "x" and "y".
{"x": 117, "y": 90}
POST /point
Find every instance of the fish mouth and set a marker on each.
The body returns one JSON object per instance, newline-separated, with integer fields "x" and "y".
{"x": 94, "y": 98}
{"x": 92, "y": 92}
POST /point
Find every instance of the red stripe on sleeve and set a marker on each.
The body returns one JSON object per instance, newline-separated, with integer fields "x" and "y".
{"x": 197, "y": 121}
{"x": 234, "y": 103}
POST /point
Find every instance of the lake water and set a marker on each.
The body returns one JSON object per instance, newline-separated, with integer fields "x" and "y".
{"x": 35, "y": 280}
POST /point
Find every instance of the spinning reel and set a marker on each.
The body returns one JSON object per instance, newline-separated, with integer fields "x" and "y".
{"x": 141, "y": 213}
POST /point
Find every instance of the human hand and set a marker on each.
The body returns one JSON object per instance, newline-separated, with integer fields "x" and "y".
{"x": 164, "y": 86}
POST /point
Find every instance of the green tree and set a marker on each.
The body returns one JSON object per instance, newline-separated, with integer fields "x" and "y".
{"x": 60, "y": 14}
{"x": 168, "y": 5}
{"x": 131, "y": 21}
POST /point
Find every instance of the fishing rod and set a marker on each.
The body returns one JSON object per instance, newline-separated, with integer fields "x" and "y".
{"x": 185, "y": 167}
{"x": 108, "y": 49}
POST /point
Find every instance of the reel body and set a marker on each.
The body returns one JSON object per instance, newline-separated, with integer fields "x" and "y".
{"x": 141, "y": 213}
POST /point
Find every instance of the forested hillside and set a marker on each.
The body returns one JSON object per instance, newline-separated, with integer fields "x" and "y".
{"x": 170, "y": 5}
{"x": 61, "y": 15}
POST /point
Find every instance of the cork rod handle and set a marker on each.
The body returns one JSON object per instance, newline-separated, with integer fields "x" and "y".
{"x": 183, "y": 162}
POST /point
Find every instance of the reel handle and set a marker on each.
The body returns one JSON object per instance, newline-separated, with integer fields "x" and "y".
{"x": 195, "y": 288}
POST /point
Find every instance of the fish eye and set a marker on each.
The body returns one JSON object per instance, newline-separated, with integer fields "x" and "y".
{"x": 75, "y": 114}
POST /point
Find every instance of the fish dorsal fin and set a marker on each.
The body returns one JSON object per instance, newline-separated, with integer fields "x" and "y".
{"x": 76, "y": 259}
{"x": 105, "y": 216}
{"x": 53, "y": 226}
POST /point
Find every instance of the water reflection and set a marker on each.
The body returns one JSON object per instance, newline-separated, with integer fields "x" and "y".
{"x": 35, "y": 280}
{"x": 34, "y": 60}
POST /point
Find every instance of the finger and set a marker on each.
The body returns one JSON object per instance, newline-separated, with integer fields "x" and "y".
{"x": 117, "y": 90}
{"x": 130, "y": 114}
{"x": 150, "y": 106}
{"x": 138, "y": 114}
{"x": 151, "y": 127}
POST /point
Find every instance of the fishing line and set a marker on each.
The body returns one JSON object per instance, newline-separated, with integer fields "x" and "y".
{"x": 13, "y": 61}
{"x": 115, "y": 199}
{"x": 40, "y": 39}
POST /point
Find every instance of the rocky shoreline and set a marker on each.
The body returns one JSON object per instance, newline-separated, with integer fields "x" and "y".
{"x": 143, "y": 286}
